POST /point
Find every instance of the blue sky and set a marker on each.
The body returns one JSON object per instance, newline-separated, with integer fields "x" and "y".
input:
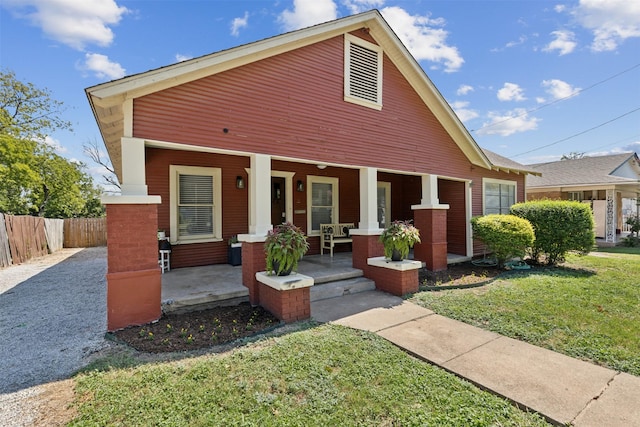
{"x": 531, "y": 80}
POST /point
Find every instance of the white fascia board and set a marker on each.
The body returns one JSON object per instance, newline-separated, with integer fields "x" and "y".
{"x": 430, "y": 95}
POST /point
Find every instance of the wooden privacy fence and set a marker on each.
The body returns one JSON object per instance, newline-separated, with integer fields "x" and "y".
{"x": 26, "y": 237}
{"x": 85, "y": 232}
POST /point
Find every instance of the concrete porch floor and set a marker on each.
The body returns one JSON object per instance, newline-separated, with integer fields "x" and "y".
{"x": 196, "y": 288}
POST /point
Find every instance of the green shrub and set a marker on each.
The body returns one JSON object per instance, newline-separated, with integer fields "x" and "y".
{"x": 506, "y": 236}
{"x": 560, "y": 227}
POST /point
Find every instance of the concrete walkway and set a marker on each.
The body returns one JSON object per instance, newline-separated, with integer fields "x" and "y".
{"x": 563, "y": 389}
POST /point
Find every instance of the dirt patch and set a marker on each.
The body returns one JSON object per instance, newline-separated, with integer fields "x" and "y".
{"x": 199, "y": 329}
{"x": 53, "y": 405}
{"x": 465, "y": 273}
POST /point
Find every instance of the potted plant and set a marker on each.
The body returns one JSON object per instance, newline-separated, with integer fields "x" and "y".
{"x": 234, "y": 251}
{"x": 284, "y": 247}
{"x": 398, "y": 238}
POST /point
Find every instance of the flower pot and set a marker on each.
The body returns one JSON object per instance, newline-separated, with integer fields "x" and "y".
{"x": 234, "y": 254}
{"x": 285, "y": 272}
{"x": 396, "y": 256}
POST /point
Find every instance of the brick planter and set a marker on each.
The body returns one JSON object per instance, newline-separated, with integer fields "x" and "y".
{"x": 286, "y": 297}
{"x": 395, "y": 277}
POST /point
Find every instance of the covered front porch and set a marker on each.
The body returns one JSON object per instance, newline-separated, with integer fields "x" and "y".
{"x": 199, "y": 288}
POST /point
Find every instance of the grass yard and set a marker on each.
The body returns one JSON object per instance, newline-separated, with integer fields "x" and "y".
{"x": 588, "y": 308}
{"x": 323, "y": 376}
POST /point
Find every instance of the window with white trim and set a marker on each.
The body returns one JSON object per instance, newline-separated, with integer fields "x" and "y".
{"x": 576, "y": 195}
{"x": 362, "y": 72}
{"x": 498, "y": 195}
{"x": 322, "y": 200}
{"x": 195, "y": 203}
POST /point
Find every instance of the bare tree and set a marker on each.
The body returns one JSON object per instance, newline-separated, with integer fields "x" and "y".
{"x": 572, "y": 156}
{"x": 92, "y": 150}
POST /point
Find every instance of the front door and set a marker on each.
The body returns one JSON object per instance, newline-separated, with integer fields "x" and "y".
{"x": 278, "y": 202}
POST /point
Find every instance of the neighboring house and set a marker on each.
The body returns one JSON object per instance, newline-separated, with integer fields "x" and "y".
{"x": 332, "y": 123}
{"x": 610, "y": 184}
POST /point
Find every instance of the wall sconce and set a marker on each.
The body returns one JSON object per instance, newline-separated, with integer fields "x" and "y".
{"x": 239, "y": 182}
{"x": 470, "y": 183}
{"x": 300, "y": 185}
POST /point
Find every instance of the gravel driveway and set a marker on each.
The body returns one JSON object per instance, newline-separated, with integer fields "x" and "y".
{"x": 52, "y": 315}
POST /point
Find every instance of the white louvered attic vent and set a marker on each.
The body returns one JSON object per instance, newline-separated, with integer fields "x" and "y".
{"x": 363, "y": 72}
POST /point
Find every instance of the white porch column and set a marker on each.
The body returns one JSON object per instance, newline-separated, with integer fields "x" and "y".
{"x": 429, "y": 191}
{"x": 611, "y": 215}
{"x": 260, "y": 195}
{"x": 133, "y": 167}
{"x": 368, "y": 199}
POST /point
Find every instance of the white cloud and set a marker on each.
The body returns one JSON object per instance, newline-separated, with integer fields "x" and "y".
{"x": 181, "y": 57}
{"x": 559, "y": 89}
{"x": 358, "y": 6}
{"x": 239, "y": 23}
{"x": 564, "y": 42}
{"x": 610, "y": 21}
{"x": 511, "y": 92}
{"x": 464, "y": 114}
{"x": 103, "y": 67}
{"x": 507, "y": 124}
{"x": 464, "y": 89}
{"x": 424, "y": 37}
{"x": 72, "y": 22}
{"x": 308, "y": 12}
{"x": 55, "y": 144}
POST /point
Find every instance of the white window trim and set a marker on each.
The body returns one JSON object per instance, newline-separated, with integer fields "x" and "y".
{"x": 216, "y": 173}
{"x": 311, "y": 179}
{"x": 348, "y": 40}
{"x": 497, "y": 181}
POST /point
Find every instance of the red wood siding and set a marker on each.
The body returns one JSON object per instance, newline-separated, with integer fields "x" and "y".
{"x": 235, "y": 201}
{"x": 453, "y": 194}
{"x": 292, "y": 105}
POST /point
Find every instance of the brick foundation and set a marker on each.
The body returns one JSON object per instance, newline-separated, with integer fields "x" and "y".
{"x": 397, "y": 278}
{"x": 365, "y": 247}
{"x": 134, "y": 283}
{"x": 253, "y": 261}
{"x": 432, "y": 224}
{"x": 287, "y": 305}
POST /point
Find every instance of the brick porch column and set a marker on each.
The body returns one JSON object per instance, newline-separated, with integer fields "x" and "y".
{"x": 253, "y": 261}
{"x": 133, "y": 276}
{"x": 432, "y": 223}
{"x": 365, "y": 246}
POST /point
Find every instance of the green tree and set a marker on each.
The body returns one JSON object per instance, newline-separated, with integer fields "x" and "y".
{"x": 33, "y": 178}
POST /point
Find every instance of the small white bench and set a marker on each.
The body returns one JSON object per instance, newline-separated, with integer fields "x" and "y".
{"x": 331, "y": 234}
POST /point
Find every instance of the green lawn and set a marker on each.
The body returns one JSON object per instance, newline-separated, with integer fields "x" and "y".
{"x": 324, "y": 376}
{"x": 588, "y": 308}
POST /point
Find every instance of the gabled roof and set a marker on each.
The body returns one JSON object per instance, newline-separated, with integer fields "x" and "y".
{"x": 503, "y": 164}
{"x": 110, "y": 101}
{"x": 598, "y": 170}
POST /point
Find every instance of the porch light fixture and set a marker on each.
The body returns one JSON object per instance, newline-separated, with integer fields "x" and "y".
{"x": 321, "y": 166}
{"x": 239, "y": 182}
{"x": 300, "y": 185}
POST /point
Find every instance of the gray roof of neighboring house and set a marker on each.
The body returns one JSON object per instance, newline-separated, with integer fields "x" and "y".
{"x": 584, "y": 171}
{"x": 503, "y": 164}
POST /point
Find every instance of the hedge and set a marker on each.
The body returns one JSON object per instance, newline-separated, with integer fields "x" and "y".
{"x": 506, "y": 236}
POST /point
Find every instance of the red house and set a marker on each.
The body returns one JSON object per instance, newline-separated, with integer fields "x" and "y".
{"x": 332, "y": 123}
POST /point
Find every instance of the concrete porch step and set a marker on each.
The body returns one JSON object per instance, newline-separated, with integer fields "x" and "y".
{"x": 353, "y": 285}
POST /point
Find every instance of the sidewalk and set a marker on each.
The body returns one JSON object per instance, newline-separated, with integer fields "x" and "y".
{"x": 563, "y": 389}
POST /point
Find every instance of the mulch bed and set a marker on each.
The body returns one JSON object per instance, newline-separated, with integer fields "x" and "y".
{"x": 458, "y": 275}
{"x": 199, "y": 329}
